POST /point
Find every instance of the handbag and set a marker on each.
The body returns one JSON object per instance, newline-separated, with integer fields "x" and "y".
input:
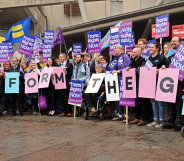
{"x": 43, "y": 102}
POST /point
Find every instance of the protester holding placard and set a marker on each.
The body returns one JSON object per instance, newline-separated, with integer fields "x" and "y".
{"x": 24, "y": 66}
{"x": 50, "y": 91}
{"x": 40, "y": 57}
{"x": 158, "y": 107}
{"x": 167, "y": 48}
{"x": 66, "y": 109}
{"x": 175, "y": 119}
{"x": 34, "y": 96}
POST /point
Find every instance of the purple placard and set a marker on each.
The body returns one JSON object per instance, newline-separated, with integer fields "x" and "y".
{"x": 38, "y": 45}
{"x": 161, "y": 28}
{"x": 76, "y": 88}
{"x": 125, "y": 101}
{"x": 4, "y": 48}
{"x": 114, "y": 39}
{"x": 149, "y": 44}
{"x": 29, "y": 58}
{"x": 26, "y": 45}
{"x": 58, "y": 37}
{"x": 126, "y": 33}
{"x": 77, "y": 49}
{"x": 48, "y": 36}
{"x": 10, "y": 46}
{"x": 145, "y": 55}
{"x": 47, "y": 51}
{"x": 129, "y": 47}
{"x": 94, "y": 42}
{"x": 178, "y": 61}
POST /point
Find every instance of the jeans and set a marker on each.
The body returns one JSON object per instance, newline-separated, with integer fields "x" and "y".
{"x": 158, "y": 109}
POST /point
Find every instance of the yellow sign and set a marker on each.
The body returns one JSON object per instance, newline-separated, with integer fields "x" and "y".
{"x": 2, "y": 39}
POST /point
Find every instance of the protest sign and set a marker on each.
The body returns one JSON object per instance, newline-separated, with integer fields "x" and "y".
{"x": 95, "y": 83}
{"x": 129, "y": 47}
{"x": 45, "y": 78}
{"x": 47, "y": 51}
{"x": 12, "y": 82}
{"x": 153, "y": 30}
{"x": 126, "y": 33}
{"x": 147, "y": 82}
{"x": 26, "y": 45}
{"x": 38, "y": 45}
{"x": 48, "y": 36}
{"x": 178, "y": 61}
{"x": 124, "y": 101}
{"x": 77, "y": 49}
{"x": 167, "y": 85}
{"x": 59, "y": 79}
{"x": 129, "y": 81}
{"x": 4, "y": 49}
{"x": 178, "y": 30}
{"x": 31, "y": 82}
{"x": 94, "y": 42}
{"x": 114, "y": 39}
{"x": 112, "y": 87}
{"x": 75, "y": 95}
{"x": 10, "y": 48}
{"x": 161, "y": 29}
{"x": 58, "y": 37}
{"x": 17, "y": 55}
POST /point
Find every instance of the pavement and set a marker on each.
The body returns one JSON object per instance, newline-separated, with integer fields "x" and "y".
{"x": 52, "y": 138}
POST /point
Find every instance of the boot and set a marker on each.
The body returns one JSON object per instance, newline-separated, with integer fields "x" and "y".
{"x": 141, "y": 123}
{"x": 136, "y": 121}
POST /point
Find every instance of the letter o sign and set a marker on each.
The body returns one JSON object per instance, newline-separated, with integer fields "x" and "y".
{"x": 28, "y": 82}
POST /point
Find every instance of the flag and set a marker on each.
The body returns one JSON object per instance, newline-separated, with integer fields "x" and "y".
{"x": 70, "y": 49}
{"x": 17, "y": 31}
{"x": 87, "y": 81}
{"x": 1, "y": 68}
{"x": 21, "y": 70}
{"x": 148, "y": 64}
{"x": 82, "y": 69}
{"x": 36, "y": 59}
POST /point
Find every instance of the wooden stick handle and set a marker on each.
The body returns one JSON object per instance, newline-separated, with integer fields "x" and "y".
{"x": 74, "y": 110}
{"x": 126, "y": 115}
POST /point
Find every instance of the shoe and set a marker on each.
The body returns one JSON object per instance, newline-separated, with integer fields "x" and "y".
{"x": 136, "y": 121}
{"x": 160, "y": 124}
{"x": 17, "y": 112}
{"x": 177, "y": 128}
{"x": 69, "y": 115}
{"x": 124, "y": 121}
{"x": 49, "y": 114}
{"x": 4, "y": 112}
{"x": 13, "y": 114}
{"x": 154, "y": 123}
{"x": 141, "y": 123}
{"x": 167, "y": 127}
{"x": 21, "y": 113}
{"x": 117, "y": 118}
{"x": 63, "y": 114}
{"x": 52, "y": 114}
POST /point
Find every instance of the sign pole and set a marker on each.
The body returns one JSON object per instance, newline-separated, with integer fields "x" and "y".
{"x": 60, "y": 48}
{"x": 39, "y": 102}
{"x": 161, "y": 43}
{"x": 75, "y": 110}
{"x": 126, "y": 106}
{"x": 66, "y": 50}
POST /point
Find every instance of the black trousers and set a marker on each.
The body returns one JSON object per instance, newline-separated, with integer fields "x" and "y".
{"x": 14, "y": 97}
{"x": 50, "y": 97}
{"x": 64, "y": 95}
{"x": 35, "y": 103}
{"x": 92, "y": 99}
{"x": 141, "y": 108}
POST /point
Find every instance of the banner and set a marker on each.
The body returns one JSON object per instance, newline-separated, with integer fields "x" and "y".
{"x": 59, "y": 79}
{"x": 126, "y": 33}
{"x": 45, "y": 78}
{"x": 153, "y": 30}
{"x": 167, "y": 85}
{"x": 10, "y": 48}
{"x": 178, "y": 61}
{"x": 11, "y": 82}
{"x": 94, "y": 42}
{"x": 124, "y": 101}
{"x": 129, "y": 47}
{"x": 4, "y": 49}
{"x": 147, "y": 82}
{"x": 129, "y": 81}
{"x": 58, "y": 37}
{"x": 77, "y": 49}
{"x": 26, "y": 45}
{"x": 38, "y": 45}
{"x": 112, "y": 87}
{"x": 48, "y": 36}
{"x": 178, "y": 30}
{"x": 47, "y": 51}
{"x": 95, "y": 83}
{"x": 75, "y": 95}
{"x": 31, "y": 83}
{"x": 161, "y": 26}
{"x": 114, "y": 39}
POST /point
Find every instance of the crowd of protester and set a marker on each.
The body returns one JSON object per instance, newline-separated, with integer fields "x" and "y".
{"x": 160, "y": 114}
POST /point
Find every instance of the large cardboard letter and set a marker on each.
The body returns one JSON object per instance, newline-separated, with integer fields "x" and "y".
{"x": 129, "y": 79}
{"x": 112, "y": 87}
{"x": 147, "y": 82}
{"x": 31, "y": 82}
{"x": 12, "y": 82}
{"x": 95, "y": 83}
{"x": 45, "y": 78}
{"x": 167, "y": 85}
{"x": 59, "y": 78}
